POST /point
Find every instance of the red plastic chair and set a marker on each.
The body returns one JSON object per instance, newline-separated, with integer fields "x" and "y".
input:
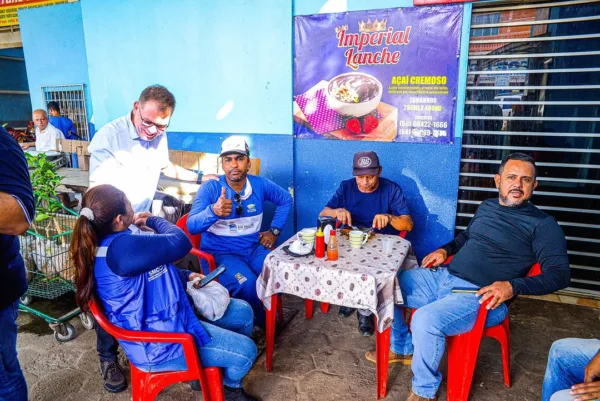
{"x": 195, "y": 239}
{"x": 145, "y": 386}
{"x": 463, "y": 349}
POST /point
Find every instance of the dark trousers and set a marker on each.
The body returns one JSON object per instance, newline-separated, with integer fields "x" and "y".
{"x": 106, "y": 345}
{"x": 12, "y": 381}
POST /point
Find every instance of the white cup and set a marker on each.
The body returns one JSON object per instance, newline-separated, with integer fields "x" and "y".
{"x": 388, "y": 244}
{"x": 307, "y": 235}
{"x": 357, "y": 239}
{"x": 157, "y": 207}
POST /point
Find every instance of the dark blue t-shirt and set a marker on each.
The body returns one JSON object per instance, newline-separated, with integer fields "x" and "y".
{"x": 386, "y": 199}
{"x": 65, "y": 125}
{"x": 14, "y": 181}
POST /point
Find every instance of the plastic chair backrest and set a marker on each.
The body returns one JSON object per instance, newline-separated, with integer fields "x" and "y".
{"x": 147, "y": 385}
{"x": 195, "y": 238}
{"x": 535, "y": 270}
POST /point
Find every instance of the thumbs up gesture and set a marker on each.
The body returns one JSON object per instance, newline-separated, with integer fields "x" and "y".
{"x": 223, "y": 206}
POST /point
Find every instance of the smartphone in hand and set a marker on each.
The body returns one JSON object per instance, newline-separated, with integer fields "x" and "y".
{"x": 210, "y": 277}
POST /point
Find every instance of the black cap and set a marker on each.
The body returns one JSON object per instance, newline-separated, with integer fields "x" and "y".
{"x": 366, "y": 163}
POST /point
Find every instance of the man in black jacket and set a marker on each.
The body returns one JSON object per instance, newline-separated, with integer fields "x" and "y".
{"x": 491, "y": 258}
{"x": 16, "y": 211}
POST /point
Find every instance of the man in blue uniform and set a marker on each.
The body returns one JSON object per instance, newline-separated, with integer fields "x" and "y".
{"x": 62, "y": 123}
{"x": 229, "y": 215}
{"x": 365, "y": 201}
{"x": 17, "y": 209}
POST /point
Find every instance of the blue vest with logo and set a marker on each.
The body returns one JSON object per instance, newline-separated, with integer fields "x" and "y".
{"x": 151, "y": 301}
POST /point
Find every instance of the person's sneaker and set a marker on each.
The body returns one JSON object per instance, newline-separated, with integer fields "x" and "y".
{"x": 112, "y": 374}
{"x": 413, "y": 397}
{"x": 345, "y": 311}
{"x": 393, "y": 358}
{"x": 237, "y": 394}
{"x": 366, "y": 326}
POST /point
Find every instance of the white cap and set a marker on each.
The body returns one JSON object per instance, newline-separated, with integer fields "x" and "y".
{"x": 234, "y": 144}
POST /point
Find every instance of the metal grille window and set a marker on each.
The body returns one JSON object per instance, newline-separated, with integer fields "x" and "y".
{"x": 71, "y": 100}
{"x": 534, "y": 87}
{"x": 485, "y": 19}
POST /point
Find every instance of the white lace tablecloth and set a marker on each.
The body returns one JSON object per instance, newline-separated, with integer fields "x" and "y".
{"x": 361, "y": 278}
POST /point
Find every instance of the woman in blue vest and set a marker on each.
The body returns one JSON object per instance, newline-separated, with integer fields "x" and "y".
{"x": 140, "y": 289}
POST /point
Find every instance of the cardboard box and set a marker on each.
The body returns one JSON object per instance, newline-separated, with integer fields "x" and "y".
{"x": 80, "y": 148}
{"x": 208, "y": 163}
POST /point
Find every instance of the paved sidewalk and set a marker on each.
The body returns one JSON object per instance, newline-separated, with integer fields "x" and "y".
{"x": 316, "y": 360}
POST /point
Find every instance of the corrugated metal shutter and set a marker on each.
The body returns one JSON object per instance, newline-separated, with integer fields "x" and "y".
{"x": 534, "y": 86}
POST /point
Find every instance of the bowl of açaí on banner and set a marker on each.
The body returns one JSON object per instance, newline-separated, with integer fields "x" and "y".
{"x": 354, "y": 94}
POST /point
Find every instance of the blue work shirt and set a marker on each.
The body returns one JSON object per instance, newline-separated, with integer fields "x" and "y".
{"x": 65, "y": 125}
{"x": 386, "y": 199}
{"x": 235, "y": 233}
{"x": 121, "y": 158}
{"x": 14, "y": 181}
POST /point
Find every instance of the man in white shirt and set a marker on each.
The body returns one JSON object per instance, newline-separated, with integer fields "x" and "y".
{"x": 130, "y": 153}
{"x": 46, "y": 134}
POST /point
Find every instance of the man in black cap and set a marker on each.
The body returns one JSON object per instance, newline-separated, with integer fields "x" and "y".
{"x": 369, "y": 200}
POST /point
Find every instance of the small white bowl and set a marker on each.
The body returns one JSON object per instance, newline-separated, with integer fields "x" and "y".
{"x": 353, "y": 109}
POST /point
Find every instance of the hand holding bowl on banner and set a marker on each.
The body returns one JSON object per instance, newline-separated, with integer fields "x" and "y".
{"x": 354, "y": 94}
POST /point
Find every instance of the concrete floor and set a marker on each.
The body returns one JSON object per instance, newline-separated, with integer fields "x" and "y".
{"x": 316, "y": 360}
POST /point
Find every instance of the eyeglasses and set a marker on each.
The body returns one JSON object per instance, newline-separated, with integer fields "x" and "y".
{"x": 148, "y": 124}
{"x": 238, "y": 209}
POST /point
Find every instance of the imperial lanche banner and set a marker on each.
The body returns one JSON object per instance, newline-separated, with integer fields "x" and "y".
{"x": 378, "y": 75}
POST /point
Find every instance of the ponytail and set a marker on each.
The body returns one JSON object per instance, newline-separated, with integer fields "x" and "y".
{"x": 83, "y": 254}
{"x": 100, "y": 206}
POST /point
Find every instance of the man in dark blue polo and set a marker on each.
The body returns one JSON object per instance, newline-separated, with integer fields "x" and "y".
{"x": 368, "y": 200}
{"x": 17, "y": 209}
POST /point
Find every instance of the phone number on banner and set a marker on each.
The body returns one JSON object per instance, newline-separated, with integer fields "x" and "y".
{"x": 423, "y": 124}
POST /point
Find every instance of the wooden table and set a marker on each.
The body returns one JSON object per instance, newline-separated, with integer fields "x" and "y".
{"x": 74, "y": 180}
{"x": 361, "y": 278}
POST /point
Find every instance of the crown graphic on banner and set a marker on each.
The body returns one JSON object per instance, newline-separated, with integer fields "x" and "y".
{"x": 375, "y": 26}
{"x": 341, "y": 28}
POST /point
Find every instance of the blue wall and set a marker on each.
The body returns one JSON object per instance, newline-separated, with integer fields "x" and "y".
{"x": 14, "y": 78}
{"x": 428, "y": 174}
{"x": 211, "y": 55}
{"x": 54, "y": 48}
{"x": 235, "y": 54}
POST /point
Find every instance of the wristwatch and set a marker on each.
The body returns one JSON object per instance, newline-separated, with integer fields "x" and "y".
{"x": 275, "y": 231}
{"x": 199, "y": 179}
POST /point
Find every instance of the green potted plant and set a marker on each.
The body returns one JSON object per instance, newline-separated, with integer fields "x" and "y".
{"x": 50, "y": 232}
{"x": 45, "y": 181}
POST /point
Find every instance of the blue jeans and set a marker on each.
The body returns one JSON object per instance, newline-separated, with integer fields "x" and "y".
{"x": 241, "y": 275}
{"x": 566, "y": 364}
{"x": 230, "y": 348}
{"x": 12, "y": 381}
{"x": 440, "y": 313}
